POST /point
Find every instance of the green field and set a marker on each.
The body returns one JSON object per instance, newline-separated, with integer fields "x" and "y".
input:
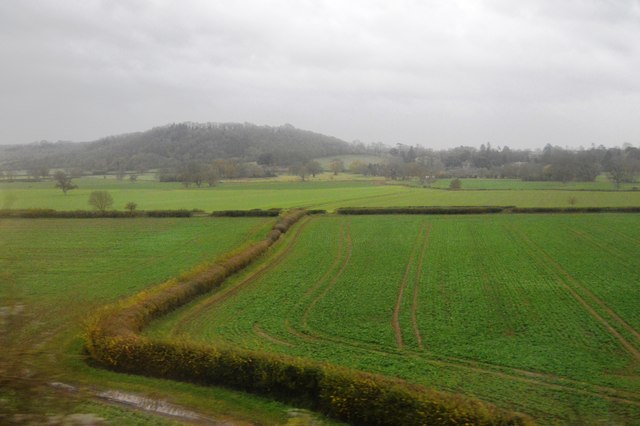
{"x": 55, "y": 273}
{"x": 536, "y": 313}
{"x": 325, "y": 194}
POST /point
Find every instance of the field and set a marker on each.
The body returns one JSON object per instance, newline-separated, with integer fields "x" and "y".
{"x": 536, "y": 313}
{"x": 324, "y": 194}
{"x": 55, "y": 273}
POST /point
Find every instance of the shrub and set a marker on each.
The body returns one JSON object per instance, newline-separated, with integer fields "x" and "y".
{"x": 455, "y": 184}
{"x": 101, "y": 200}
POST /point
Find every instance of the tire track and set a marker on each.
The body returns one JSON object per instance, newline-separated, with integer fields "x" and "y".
{"x": 263, "y": 334}
{"x": 416, "y": 288}
{"x": 220, "y": 297}
{"x": 543, "y": 380}
{"x": 334, "y": 280}
{"x": 560, "y": 272}
{"x": 395, "y": 320}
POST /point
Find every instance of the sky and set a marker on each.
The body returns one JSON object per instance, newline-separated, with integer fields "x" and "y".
{"x": 437, "y": 73}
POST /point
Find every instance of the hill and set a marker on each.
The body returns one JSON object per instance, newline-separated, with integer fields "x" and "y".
{"x": 176, "y": 144}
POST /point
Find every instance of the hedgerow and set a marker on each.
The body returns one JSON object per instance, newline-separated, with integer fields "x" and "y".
{"x": 113, "y": 339}
{"x": 420, "y": 210}
{"x": 90, "y": 214}
{"x": 247, "y": 213}
{"x": 480, "y": 210}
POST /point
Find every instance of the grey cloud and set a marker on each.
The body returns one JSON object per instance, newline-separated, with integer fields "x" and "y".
{"x": 437, "y": 72}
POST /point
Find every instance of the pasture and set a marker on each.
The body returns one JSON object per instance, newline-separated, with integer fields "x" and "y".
{"x": 536, "y": 313}
{"x": 321, "y": 193}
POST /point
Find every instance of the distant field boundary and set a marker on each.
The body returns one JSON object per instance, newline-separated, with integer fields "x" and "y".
{"x": 117, "y": 214}
{"x": 90, "y": 214}
{"x": 455, "y": 210}
{"x": 113, "y": 339}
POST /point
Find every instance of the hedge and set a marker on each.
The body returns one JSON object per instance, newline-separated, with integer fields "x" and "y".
{"x": 480, "y": 210}
{"x": 113, "y": 339}
{"x": 421, "y": 210}
{"x": 90, "y": 214}
{"x": 247, "y": 213}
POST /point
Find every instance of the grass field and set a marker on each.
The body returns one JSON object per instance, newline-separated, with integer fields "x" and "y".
{"x": 536, "y": 313}
{"x": 56, "y": 272}
{"x": 325, "y": 194}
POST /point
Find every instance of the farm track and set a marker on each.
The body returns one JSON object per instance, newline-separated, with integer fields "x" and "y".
{"x": 416, "y": 289}
{"x": 346, "y": 235}
{"x": 564, "y": 278}
{"x": 395, "y": 320}
{"x": 222, "y": 296}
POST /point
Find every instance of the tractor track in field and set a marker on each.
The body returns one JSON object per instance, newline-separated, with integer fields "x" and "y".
{"x": 590, "y": 239}
{"x": 545, "y": 259}
{"x": 538, "y": 379}
{"x": 263, "y": 334}
{"x": 220, "y": 297}
{"x": 544, "y": 380}
{"x": 395, "y": 319}
{"x": 416, "y": 288}
{"x": 334, "y": 280}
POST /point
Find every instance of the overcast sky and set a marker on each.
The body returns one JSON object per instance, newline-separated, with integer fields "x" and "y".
{"x": 439, "y": 73}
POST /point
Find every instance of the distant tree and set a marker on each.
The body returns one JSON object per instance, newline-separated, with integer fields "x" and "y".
{"x": 622, "y": 168}
{"x": 336, "y": 166}
{"x": 63, "y": 181}
{"x": 314, "y": 167}
{"x": 133, "y": 177}
{"x": 120, "y": 174}
{"x": 211, "y": 175}
{"x": 358, "y": 167}
{"x": 38, "y": 172}
{"x": 299, "y": 169}
{"x": 131, "y": 206}
{"x": 101, "y": 200}
{"x": 455, "y": 184}
{"x": 194, "y": 172}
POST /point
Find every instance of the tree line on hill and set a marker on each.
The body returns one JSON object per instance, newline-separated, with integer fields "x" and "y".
{"x": 198, "y": 154}
{"x": 552, "y": 163}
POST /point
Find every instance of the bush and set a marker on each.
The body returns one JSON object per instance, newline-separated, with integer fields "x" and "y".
{"x": 455, "y": 184}
{"x": 101, "y": 200}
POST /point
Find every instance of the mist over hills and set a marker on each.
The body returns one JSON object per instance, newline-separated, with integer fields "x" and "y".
{"x": 176, "y": 144}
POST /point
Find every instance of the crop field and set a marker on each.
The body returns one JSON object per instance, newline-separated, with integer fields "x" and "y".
{"x": 56, "y": 272}
{"x": 324, "y": 194}
{"x": 536, "y": 313}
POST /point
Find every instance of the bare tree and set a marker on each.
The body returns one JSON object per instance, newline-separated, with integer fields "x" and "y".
{"x": 101, "y": 200}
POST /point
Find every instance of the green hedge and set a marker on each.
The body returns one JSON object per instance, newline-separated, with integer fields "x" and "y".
{"x": 90, "y": 214}
{"x": 481, "y": 210}
{"x": 112, "y": 338}
{"x": 420, "y": 210}
{"x": 247, "y": 213}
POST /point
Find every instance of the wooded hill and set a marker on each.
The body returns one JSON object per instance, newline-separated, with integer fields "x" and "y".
{"x": 173, "y": 145}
